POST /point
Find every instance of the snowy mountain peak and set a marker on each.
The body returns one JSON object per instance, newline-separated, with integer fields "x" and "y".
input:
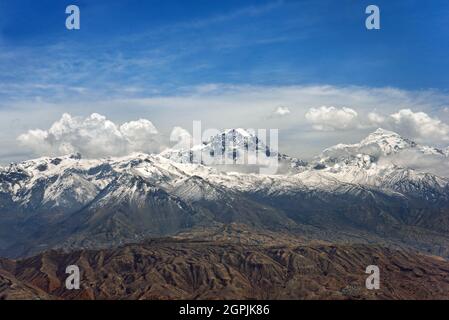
{"x": 391, "y": 142}
{"x": 239, "y": 132}
{"x": 229, "y": 147}
{"x": 382, "y": 149}
{"x": 235, "y": 139}
{"x": 381, "y": 131}
{"x": 379, "y": 143}
{"x": 388, "y": 141}
{"x": 382, "y": 134}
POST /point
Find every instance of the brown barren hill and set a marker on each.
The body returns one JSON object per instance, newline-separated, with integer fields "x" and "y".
{"x": 216, "y": 269}
{"x": 13, "y": 289}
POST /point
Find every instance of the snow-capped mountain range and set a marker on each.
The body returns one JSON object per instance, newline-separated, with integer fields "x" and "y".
{"x": 358, "y": 189}
{"x": 236, "y": 150}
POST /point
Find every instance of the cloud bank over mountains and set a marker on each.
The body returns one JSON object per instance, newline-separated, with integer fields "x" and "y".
{"x": 417, "y": 125}
{"x": 309, "y": 119}
{"x": 93, "y": 137}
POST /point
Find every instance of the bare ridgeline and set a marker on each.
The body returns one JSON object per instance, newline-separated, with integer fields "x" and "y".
{"x": 171, "y": 226}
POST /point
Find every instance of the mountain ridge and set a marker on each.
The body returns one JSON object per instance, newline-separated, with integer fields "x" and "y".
{"x": 75, "y": 202}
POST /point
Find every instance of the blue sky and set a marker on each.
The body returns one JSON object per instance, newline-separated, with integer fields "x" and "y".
{"x": 165, "y": 45}
{"x": 141, "y": 50}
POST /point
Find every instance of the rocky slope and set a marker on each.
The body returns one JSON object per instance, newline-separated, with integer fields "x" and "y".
{"x": 13, "y": 289}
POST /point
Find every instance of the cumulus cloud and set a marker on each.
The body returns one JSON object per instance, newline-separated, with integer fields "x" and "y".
{"x": 415, "y": 125}
{"x": 93, "y": 137}
{"x": 331, "y": 118}
{"x": 281, "y": 111}
{"x": 181, "y": 137}
{"x": 245, "y": 106}
{"x": 420, "y": 125}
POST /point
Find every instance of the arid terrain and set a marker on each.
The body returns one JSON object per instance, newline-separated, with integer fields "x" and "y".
{"x": 219, "y": 267}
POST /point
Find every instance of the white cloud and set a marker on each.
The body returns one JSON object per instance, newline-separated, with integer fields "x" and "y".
{"x": 414, "y": 125}
{"x": 93, "y": 137}
{"x": 141, "y": 135}
{"x": 414, "y": 159}
{"x": 227, "y": 106}
{"x": 181, "y": 137}
{"x": 375, "y": 119}
{"x": 281, "y": 111}
{"x": 419, "y": 125}
{"x": 331, "y": 118}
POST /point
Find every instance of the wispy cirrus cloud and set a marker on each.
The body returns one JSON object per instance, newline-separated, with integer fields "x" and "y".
{"x": 160, "y": 58}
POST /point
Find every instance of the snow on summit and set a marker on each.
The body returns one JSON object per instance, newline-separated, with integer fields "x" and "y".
{"x": 375, "y": 161}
